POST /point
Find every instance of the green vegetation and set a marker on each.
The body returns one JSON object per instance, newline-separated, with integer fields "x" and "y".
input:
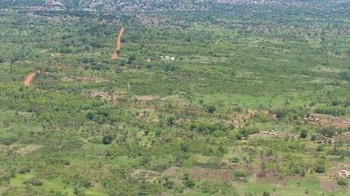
{"x": 206, "y": 98}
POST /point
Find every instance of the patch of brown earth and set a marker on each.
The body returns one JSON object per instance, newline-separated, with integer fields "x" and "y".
{"x": 28, "y": 149}
{"x": 29, "y": 79}
{"x": 146, "y": 98}
{"x": 146, "y": 175}
{"x": 321, "y": 120}
{"x": 115, "y": 55}
{"x": 328, "y": 186}
{"x": 83, "y": 79}
{"x": 171, "y": 171}
{"x": 220, "y": 175}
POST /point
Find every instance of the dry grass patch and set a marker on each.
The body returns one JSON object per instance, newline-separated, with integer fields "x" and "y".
{"x": 146, "y": 175}
{"x": 28, "y": 149}
{"x": 219, "y": 175}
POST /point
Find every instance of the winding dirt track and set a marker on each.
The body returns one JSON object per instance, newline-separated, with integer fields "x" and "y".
{"x": 29, "y": 79}
{"x": 115, "y": 55}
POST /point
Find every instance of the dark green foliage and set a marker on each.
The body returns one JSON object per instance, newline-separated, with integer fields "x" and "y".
{"x": 328, "y": 132}
{"x": 303, "y": 134}
{"x": 188, "y": 182}
{"x": 90, "y": 116}
{"x": 313, "y": 138}
{"x": 24, "y": 170}
{"x": 34, "y": 182}
{"x": 169, "y": 184}
{"x": 320, "y": 148}
{"x": 266, "y": 193}
{"x": 211, "y": 109}
{"x": 320, "y": 169}
{"x": 171, "y": 121}
{"x": 8, "y": 141}
{"x": 240, "y": 175}
{"x": 335, "y": 111}
{"x": 107, "y": 139}
{"x": 344, "y": 76}
{"x": 210, "y": 188}
{"x": 343, "y": 181}
{"x": 87, "y": 184}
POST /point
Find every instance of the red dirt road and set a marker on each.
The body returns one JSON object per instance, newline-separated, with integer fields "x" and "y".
{"x": 115, "y": 55}
{"x": 29, "y": 79}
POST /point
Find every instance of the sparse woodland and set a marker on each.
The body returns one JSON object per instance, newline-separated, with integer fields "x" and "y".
{"x": 205, "y": 98}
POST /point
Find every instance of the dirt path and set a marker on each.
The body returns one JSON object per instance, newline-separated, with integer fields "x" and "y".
{"x": 29, "y": 79}
{"x": 115, "y": 55}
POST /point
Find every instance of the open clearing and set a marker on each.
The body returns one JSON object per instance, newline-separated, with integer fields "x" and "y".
{"x": 29, "y": 79}
{"x": 115, "y": 55}
{"x": 28, "y": 149}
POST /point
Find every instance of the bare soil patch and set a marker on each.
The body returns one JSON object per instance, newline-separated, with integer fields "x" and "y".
{"x": 29, "y": 79}
{"x": 146, "y": 175}
{"x": 328, "y": 186}
{"x": 83, "y": 79}
{"x": 220, "y": 175}
{"x": 321, "y": 120}
{"x": 107, "y": 96}
{"x": 146, "y": 98}
{"x": 171, "y": 171}
{"x": 28, "y": 149}
{"x": 274, "y": 177}
{"x": 115, "y": 55}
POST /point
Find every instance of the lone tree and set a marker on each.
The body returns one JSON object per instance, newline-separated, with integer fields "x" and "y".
{"x": 211, "y": 109}
{"x": 107, "y": 139}
{"x": 303, "y": 134}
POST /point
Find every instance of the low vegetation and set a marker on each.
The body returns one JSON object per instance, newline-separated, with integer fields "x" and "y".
{"x": 206, "y": 98}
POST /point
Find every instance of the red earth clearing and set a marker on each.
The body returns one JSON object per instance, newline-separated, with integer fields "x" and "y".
{"x": 29, "y": 79}
{"x": 115, "y": 55}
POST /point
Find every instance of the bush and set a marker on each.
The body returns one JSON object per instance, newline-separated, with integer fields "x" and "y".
{"x": 87, "y": 184}
{"x": 210, "y": 188}
{"x": 266, "y": 193}
{"x": 320, "y": 148}
{"x": 169, "y": 184}
{"x": 188, "y": 182}
{"x": 211, "y": 109}
{"x": 328, "y": 132}
{"x": 171, "y": 121}
{"x": 335, "y": 111}
{"x": 313, "y": 137}
{"x": 303, "y": 134}
{"x": 24, "y": 170}
{"x": 34, "y": 182}
{"x": 320, "y": 169}
{"x": 90, "y": 116}
{"x": 107, "y": 139}
{"x": 342, "y": 182}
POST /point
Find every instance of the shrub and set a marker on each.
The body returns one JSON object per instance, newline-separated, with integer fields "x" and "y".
{"x": 171, "y": 121}
{"x": 320, "y": 169}
{"x": 87, "y": 184}
{"x": 107, "y": 139}
{"x": 266, "y": 193}
{"x": 211, "y": 109}
{"x": 320, "y": 148}
{"x": 303, "y": 134}
{"x": 313, "y": 138}
{"x": 90, "y": 116}
{"x": 342, "y": 182}
{"x": 328, "y": 132}
{"x": 34, "y": 182}
{"x": 188, "y": 182}
{"x": 24, "y": 170}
